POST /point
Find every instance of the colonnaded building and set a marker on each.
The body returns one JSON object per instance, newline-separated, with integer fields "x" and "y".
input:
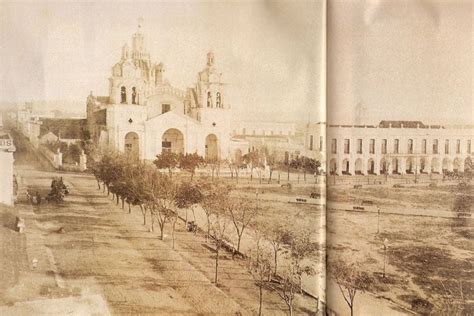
{"x": 393, "y": 147}
{"x": 145, "y": 115}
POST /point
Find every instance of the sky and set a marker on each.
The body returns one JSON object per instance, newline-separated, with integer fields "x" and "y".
{"x": 400, "y": 60}
{"x": 270, "y": 53}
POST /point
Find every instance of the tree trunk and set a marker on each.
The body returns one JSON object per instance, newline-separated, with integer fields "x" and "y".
{"x": 208, "y": 229}
{"x": 129, "y": 209}
{"x": 260, "y": 299}
{"x": 194, "y": 215}
{"x": 123, "y": 203}
{"x": 162, "y": 233}
{"x": 152, "y": 222}
{"x": 276, "y": 260}
{"x": 238, "y": 241}
{"x": 174, "y": 225}
{"x": 290, "y": 307}
{"x": 217, "y": 263}
{"x": 117, "y": 199}
{"x": 279, "y": 176}
{"x": 98, "y": 184}
{"x": 288, "y": 177}
{"x": 186, "y": 218}
{"x": 270, "y": 177}
{"x": 143, "y": 213}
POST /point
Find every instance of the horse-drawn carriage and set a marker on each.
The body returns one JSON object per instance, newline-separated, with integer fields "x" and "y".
{"x": 56, "y": 194}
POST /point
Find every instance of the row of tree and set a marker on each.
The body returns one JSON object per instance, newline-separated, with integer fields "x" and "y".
{"x": 256, "y": 161}
{"x": 162, "y": 196}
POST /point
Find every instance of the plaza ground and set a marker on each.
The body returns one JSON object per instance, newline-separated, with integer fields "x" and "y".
{"x": 427, "y": 256}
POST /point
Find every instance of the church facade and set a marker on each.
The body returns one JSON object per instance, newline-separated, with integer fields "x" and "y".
{"x": 145, "y": 115}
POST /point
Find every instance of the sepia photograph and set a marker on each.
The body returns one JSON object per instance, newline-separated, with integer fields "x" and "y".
{"x": 262, "y": 157}
{"x": 156, "y": 158}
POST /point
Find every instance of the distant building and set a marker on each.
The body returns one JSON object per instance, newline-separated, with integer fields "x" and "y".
{"x": 396, "y": 147}
{"x": 145, "y": 115}
{"x": 63, "y": 130}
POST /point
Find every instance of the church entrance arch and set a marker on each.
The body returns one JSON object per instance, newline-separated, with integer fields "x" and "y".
{"x": 172, "y": 141}
{"x": 132, "y": 145}
{"x": 212, "y": 149}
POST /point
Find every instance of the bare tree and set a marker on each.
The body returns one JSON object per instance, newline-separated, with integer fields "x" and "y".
{"x": 350, "y": 280}
{"x": 164, "y": 194}
{"x": 302, "y": 251}
{"x": 242, "y": 214}
{"x": 218, "y": 224}
{"x": 213, "y": 196}
{"x": 278, "y": 235}
{"x": 261, "y": 270}
{"x": 287, "y": 286}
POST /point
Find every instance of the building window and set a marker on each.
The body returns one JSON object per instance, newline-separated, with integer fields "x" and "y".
{"x": 423, "y": 146}
{"x": 134, "y": 95}
{"x": 347, "y": 146}
{"x": 446, "y": 146}
{"x": 334, "y": 146}
{"x": 410, "y": 146}
{"x": 359, "y": 146}
{"x": 384, "y": 146}
{"x": 458, "y": 146}
{"x": 165, "y": 108}
{"x": 321, "y": 143}
{"x": 435, "y": 146}
{"x": 209, "y": 99}
{"x": 123, "y": 95}
{"x": 396, "y": 144}
{"x": 372, "y": 146}
{"x": 310, "y": 142}
{"x": 469, "y": 146}
{"x": 218, "y": 100}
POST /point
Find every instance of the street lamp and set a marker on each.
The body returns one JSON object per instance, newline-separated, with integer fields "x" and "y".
{"x": 378, "y": 220}
{"x": 385, "y": 247}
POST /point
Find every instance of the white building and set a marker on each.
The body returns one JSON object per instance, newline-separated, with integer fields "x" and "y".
{"x": 395, "y": 147}
{"x": 145, "y": 115}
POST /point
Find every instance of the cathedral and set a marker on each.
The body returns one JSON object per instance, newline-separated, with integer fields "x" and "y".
{"x": 145, "y": 115}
